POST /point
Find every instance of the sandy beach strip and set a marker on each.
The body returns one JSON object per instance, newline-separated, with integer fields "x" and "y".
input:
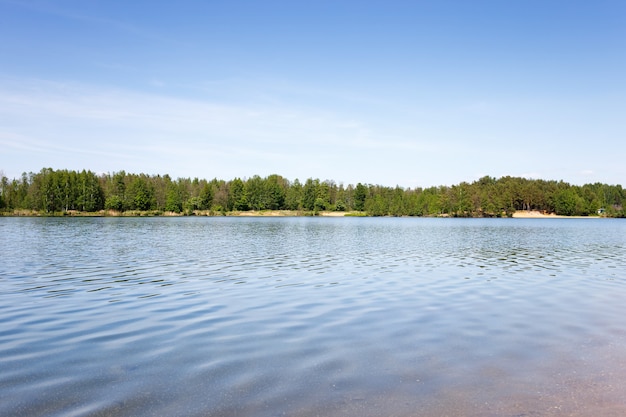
{"x": 534, "y": 214}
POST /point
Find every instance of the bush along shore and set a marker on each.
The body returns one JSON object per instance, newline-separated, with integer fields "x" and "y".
{"x": 71, "y": 193}
{"x": 160, "y": 213}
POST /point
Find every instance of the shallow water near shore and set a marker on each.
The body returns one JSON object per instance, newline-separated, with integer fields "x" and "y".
{"x": 312, "y": 316}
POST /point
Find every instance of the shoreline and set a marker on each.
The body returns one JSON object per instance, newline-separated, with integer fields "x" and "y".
{"x": 520, "y": 214}
{"x": 534, "y": 214}
{"x": 288, "y": 213}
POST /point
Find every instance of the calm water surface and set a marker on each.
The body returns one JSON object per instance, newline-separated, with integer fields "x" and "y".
{"x": 312, "y": 316}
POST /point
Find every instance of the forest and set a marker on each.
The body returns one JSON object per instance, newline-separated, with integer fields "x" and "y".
{"x": 59, "y": 192}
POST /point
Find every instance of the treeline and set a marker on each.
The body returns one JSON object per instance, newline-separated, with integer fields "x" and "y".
{"x": 54, "y": 191}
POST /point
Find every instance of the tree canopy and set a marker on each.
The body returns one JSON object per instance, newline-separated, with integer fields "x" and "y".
{"x": 54, "y": 191}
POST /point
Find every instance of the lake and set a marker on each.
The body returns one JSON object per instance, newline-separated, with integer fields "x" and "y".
{"x": 226, "y": 316}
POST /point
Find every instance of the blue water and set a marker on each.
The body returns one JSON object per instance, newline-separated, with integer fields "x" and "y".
{"x": 312, "y": 316}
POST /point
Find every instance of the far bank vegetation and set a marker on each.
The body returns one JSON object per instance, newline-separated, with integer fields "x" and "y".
{"x": 63, "y": 192}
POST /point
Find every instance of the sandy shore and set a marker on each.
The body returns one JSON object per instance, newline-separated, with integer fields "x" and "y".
{"x": 533, "y": 214}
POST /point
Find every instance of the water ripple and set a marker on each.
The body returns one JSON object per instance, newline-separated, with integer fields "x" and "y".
{"x": 305, "y": 316}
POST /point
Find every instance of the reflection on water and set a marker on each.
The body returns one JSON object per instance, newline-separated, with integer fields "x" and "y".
{"x": 307, "y": 316}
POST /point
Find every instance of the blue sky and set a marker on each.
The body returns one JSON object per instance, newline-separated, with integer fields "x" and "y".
{"x": 409, "y": 93}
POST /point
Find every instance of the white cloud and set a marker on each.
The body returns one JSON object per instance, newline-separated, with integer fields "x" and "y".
{"x": 159, "y": 134}
{"x": 78, "y": 126}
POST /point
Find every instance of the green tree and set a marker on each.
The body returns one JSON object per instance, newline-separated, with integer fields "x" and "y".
{"x": 341, "y": 198}
{"x": 397, "y": 202}
{"x": 173, "y": 200}
{"x": 275, "y": 192}
{"x": 359, "y": 196}
{"x": 4, "y": 190}
{"x": 142, "y": 195}
{"x": 221, "y": 195}
{"x": 206, "y": 196}
{"x": 309, "y": 194}
{"x": 293, "y": 196}
{"x": 254, "y": 191}
{"x": 113, "y": 202}
{"x": 377, "y": 206}
{"x": 565, "y": 202}
{"x": 116, "y": 198}
{"x": 237, "y": 199}
{"x": 319, "y": 205}
{"x": 90, "y": 194}
{"x": 161, "y": 186}
{"x": 46, "y": 184}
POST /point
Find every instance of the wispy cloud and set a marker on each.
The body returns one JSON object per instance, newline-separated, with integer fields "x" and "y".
{"x": 76, "y": 107}
{"x": 45, "y": 118}
{"x": 75, "y": 126}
